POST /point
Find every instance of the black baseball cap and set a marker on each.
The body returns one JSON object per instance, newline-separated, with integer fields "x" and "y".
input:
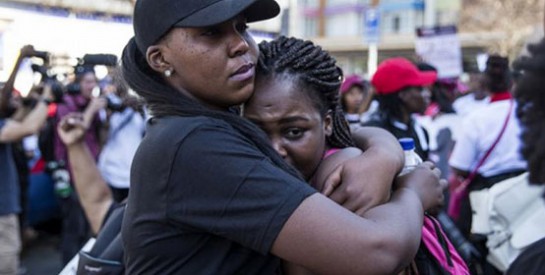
{"x": 154, "y": 18}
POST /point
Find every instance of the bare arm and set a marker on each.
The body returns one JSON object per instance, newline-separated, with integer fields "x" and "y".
{"x": 328, "y": 239}
{"x": 93, "y": 192}
{"x": 367, "y": 179}
{"x": 14, "y": 131}
{"x": 5, "y": 94}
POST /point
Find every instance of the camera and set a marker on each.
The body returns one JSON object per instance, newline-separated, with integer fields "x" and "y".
{"x": 99, "y": 59}
{"x": 42, "y": 55}
{"x": 57, "y": 88}
{"x": 115, "y": 103}
{"x": 73, "y": 88}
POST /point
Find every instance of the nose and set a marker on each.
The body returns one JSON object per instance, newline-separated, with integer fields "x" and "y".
{"x": 279, "y": 148}
{"x": 239, "y": 44}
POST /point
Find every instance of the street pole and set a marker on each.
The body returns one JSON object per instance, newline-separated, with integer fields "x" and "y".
{"x": 372, "y": 50}
{"x": 372, "y": 59}
{"x": 429, "y": 13}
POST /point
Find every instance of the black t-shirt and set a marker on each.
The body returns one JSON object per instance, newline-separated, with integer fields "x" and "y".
{"x": 204, "y": 200}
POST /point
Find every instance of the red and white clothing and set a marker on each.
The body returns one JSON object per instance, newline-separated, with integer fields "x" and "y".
{"x": 479, "y": 131}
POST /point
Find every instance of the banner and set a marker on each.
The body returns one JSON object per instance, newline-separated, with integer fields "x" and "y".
{"x": 440, "y": 47}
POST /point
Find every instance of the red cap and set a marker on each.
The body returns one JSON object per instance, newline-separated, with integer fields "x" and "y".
{"x": 394, "y": 74}
{"x": 351, "y": 81}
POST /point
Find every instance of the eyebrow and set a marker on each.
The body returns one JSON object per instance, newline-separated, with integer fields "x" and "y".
{"x": 293, "y": 119}
{"x": 281, "y": 121}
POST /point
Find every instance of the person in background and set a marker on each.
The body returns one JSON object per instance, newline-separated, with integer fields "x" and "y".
{"x": 299, "y": 109}
{"x": 357, "y": 100}
{"x": 93, "y": 191}
{"x": 79, "y": 98}
{"x": 401, "y": 92}
{"x": 440, "y": 120}
{"x": 126, "y": 125}
{"x": 530, "y": 96}
{"x": 13, "y": 131}
{"x": 480, "y": 130}
{"x": 476, "y": 97}
{"x": 209, "y": 194}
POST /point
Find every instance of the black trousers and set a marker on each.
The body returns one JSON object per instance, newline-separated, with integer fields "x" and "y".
{"x": 75, "y": 228}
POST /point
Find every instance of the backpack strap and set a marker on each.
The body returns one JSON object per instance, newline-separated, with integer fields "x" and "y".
{"x": 106, "y": 256}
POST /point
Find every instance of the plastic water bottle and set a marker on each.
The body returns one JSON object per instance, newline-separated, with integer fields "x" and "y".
{"x": 412, "y": 159}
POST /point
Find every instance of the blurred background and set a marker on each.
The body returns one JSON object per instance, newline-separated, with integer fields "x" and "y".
{"x": 359, "y": 33}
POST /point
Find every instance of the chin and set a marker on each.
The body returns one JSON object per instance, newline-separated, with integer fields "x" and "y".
{"x": 244, "y": 94}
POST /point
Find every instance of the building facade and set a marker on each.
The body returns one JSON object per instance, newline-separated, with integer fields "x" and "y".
{"x": 339, "y": 26}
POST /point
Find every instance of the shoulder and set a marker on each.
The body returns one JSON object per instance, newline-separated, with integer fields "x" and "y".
{"x": 196, "y": 137}
{"x": 176, "y": 128}
{"x": 330, "y": 163}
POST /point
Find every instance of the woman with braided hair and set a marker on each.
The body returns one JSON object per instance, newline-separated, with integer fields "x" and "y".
{"x": 209, "y": 194}
{"x": 297, "y": 103}
{"x": 530, "y": 96}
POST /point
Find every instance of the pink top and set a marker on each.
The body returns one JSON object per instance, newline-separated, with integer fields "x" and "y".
{"x": 331, "y": 152}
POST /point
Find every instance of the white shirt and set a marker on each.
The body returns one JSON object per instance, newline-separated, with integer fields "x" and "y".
{"x": 115, "y": 159}
{"x": 479, "y": 131}
{"x": 467, "y": 104}
{"x": 442, "y": 121}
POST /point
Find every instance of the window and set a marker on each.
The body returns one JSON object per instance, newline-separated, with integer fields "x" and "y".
{"x": 396, "y": 24}
{"x": 310, "y": 27}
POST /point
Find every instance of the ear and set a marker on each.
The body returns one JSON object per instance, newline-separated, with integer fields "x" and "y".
{"x": 156, "y": 59}
{"x": 328, "y": 124}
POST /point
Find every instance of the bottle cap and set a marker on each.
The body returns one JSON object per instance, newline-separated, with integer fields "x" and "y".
{"x": 407, "y": 143}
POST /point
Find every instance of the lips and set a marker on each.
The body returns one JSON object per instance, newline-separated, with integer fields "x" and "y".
{"x": 245, "y": 72}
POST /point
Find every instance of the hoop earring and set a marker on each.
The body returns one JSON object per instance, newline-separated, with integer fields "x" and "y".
{"x": 168, "y": 73}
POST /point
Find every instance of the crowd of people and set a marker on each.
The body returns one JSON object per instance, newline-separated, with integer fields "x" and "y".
{"x": 202, "y": 152}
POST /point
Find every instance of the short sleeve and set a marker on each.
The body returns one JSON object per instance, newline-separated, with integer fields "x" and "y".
{"x": 223, "y": 185}
{"x": 465, "y": 150}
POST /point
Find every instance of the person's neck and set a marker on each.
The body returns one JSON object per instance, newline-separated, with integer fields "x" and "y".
{"x": 405, "y": 117}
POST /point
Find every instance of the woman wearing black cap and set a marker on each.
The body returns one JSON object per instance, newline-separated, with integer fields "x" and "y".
{"x": 209, "y": 195}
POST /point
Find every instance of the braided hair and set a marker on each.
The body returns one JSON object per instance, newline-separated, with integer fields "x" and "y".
{"x": 530, "y": 96}
{"x": 391, "y": 106}
{"x": 317, "y": 70}
{"x": 164, "y": 100}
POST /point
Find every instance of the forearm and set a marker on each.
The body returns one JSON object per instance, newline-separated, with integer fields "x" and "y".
{"x": 402, "y": 218}
{"x": 94, "y": 193}
{"x": 37, "y": 117}
{"x": 7, "y": 89}
{"x": 381, "y": 161}
{"x": 329, "y": 240}
{"x": 376, "y": 142}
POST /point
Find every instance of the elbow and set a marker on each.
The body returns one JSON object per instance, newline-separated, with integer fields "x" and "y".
{"x": 392, "y": 254}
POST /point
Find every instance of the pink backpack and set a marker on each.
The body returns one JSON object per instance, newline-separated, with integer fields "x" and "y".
{"x": 440, "y": 248}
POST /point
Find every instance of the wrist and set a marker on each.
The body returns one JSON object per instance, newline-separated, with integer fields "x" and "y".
{"x": 76, "y": 145}
{"x": 413, "y": 193}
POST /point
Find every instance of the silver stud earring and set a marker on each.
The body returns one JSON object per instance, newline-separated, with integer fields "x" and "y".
{"x": 168, "y": 73}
